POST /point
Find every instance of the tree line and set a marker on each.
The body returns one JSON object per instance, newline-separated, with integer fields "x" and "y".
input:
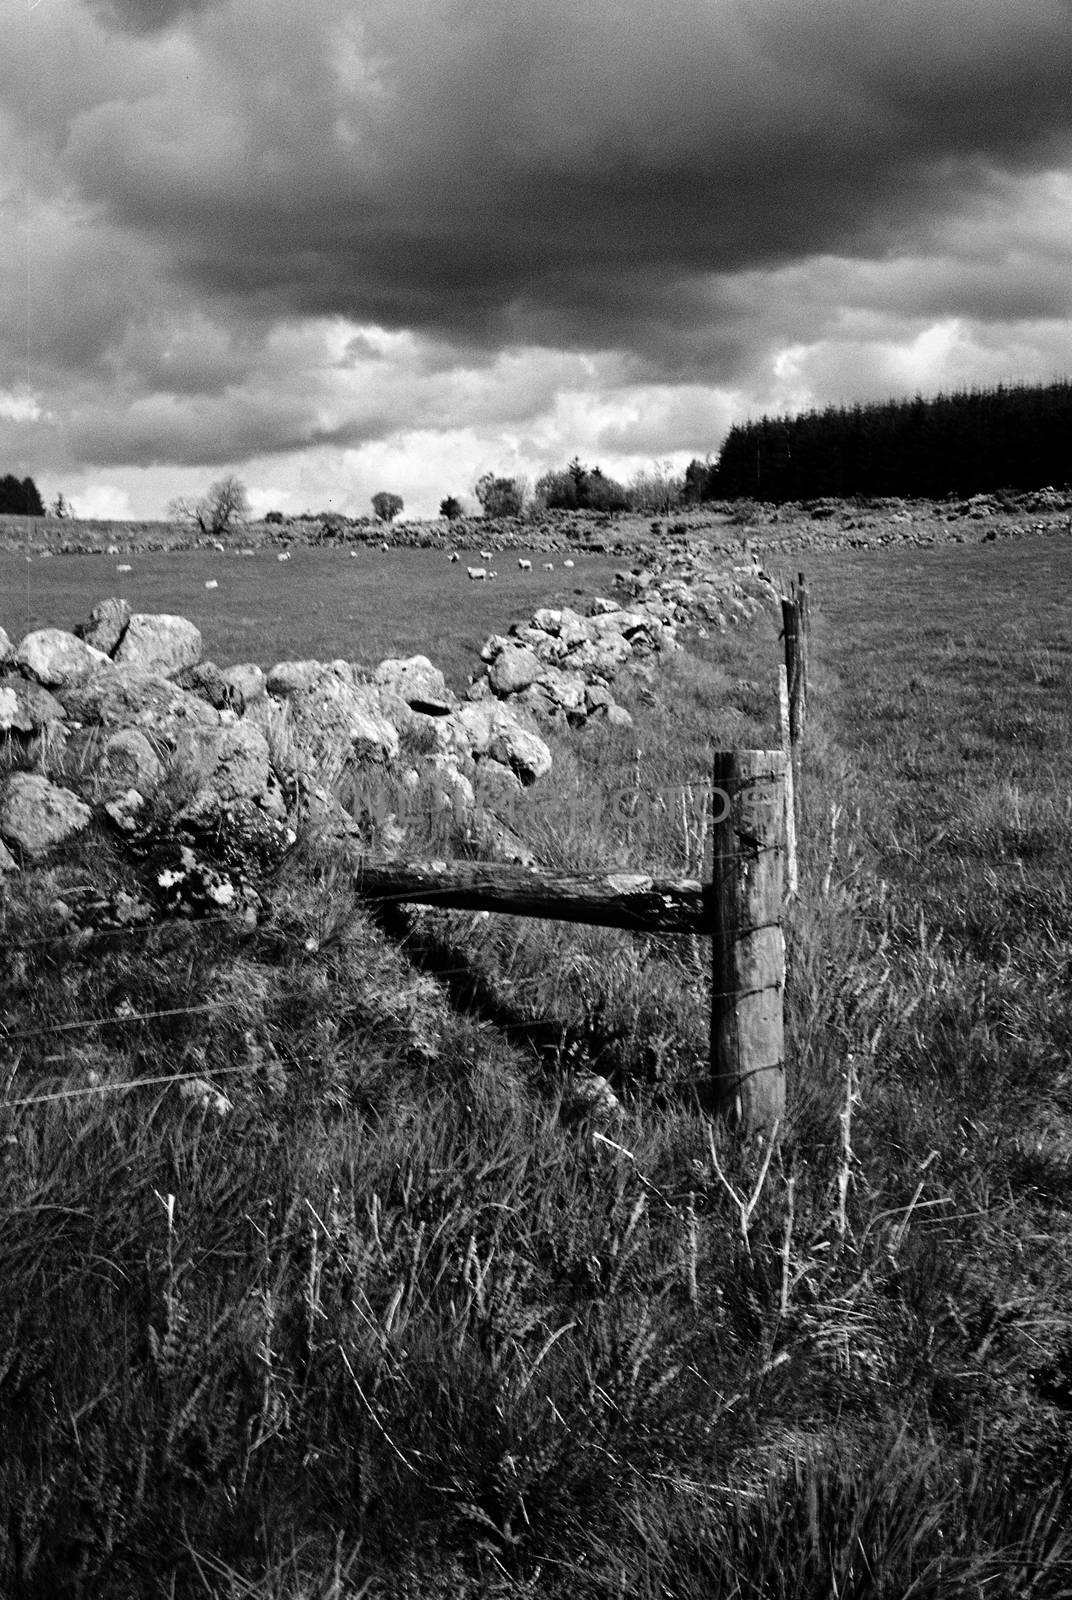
{"x": 20, "y": 499}
{"x": 1010, "y": 437}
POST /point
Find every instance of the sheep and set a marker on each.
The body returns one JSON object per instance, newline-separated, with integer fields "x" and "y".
{"x": 385, "y": 545}
{"x": 122, "y": 569}
{"x": 486, "y": 555}
{"x": 477, "y": 572}
{"x": 526, "y": 566}
{"x": 549, "y": 566}
{"x": 568, "y": 563}
{"x": 284, "y": 555}
{"x": 492, "y": 575}
{"x": 453, "y": 556}
{"x": 211, "y": 584}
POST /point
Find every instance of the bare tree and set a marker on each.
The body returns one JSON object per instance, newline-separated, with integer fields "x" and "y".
{"x": 661, "y": 489}
{"x": 224, "y": 508}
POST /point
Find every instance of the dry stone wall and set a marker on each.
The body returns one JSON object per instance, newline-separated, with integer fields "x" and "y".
{"x": 124, "y": 709}
{"x": 125, "y": 706}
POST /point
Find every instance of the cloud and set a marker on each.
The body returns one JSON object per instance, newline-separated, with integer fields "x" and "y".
{"x": 243, "y": 229}
{"x": 103, "y": 501}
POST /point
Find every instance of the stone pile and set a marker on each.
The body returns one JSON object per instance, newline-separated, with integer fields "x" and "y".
{"x": 126, "y": 706}
{"x": 560, "y": 665}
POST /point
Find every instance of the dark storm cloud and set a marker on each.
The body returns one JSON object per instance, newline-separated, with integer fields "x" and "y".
{"x": 242, "y": 226}
{"x": 146, "y": 16}
{"x": 488, "y": 173}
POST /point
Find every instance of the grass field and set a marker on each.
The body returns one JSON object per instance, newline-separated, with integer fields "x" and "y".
{"x": 402, "y": 1325}
{"x": 321, "y": 604}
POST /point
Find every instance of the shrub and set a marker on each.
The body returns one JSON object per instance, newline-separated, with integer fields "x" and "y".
{"x": 501, "y": 497}
{"x": 387, "y": 506}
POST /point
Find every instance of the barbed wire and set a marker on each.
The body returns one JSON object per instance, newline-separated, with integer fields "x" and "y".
{"x": 118, "y": 1019}
{"x": 129, "y": 1083}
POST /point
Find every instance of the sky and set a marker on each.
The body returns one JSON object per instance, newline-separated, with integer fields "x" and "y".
{"x": 344, "y": 246}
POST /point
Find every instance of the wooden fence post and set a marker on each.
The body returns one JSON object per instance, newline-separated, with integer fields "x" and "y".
{"x": 792, "y": 879}
{"x": 747, "y": 1015}
{"x": 794, "y": 630}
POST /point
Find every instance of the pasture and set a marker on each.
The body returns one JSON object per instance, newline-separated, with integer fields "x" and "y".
{"x": 320, "y": 604}
{"x": 408, "y": 1323}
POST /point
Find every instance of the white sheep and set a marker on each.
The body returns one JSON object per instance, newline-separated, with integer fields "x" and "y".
{"x": 284, "y": 555}
{"x": 492, "y": 575}
{"x": 211, "y": 584}
{"x": 118, "y": 569}
{"x": 385, "y": 545}
{"x": 549, "y": 566}
{"x": 453, "y": 556}
{"x": 486, "y": 555}
{"x": 477, "y": 572}
{"x": 568, "y": 563}
{"x": 526, "y": 566}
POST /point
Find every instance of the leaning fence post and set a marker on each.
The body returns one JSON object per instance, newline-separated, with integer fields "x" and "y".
{"x": 747, "y": 1020}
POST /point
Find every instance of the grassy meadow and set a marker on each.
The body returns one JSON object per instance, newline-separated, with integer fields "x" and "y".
{"x": 409, "y": 1322}
{"x": 322, "y": 604}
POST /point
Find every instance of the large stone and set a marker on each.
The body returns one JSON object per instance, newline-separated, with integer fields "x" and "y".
{"x": 56, "y": 659}
{"x": 247, "y": 683}
{"x": 496, "y": 785}
{"x": 600, "y": 656}
{"x": 208, "y": 682}
{"x": 159, "y": 643}
{"x": 294, "y": 677}
{"x": 106, "y": 625}
{"x": 573, "y": 629}
{"x": 416, "y": 681}
{"x": 130, "y": 698}
{"x": 37, "y": 815}
{"x": 330, "y": 718}
{"x": 26, "y": 707}
{"x": 242, "y": 768}
{"x": 476, "y": 720}
{"x": 514, "y": 669}
{"x": 128, "y": 761}
{"x": 524, "y": 753}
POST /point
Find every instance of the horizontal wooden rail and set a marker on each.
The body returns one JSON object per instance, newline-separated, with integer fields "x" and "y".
{"x": 630, "y": 900}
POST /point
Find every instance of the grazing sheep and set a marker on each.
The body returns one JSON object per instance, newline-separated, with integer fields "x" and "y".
{"x": 549, "y": 566}
{"x": 526, "y": 566}
{"x": 492, "y": 575}
{"x": 453, "y": 556}
{"x": 486, "y": 555}
{"x": 477, "y": 572}
{"x": 568, "y": 563}
{"x": 211, "y": 584}
{"x": 284, "y": 555}
{"x": 119, "y": 569}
